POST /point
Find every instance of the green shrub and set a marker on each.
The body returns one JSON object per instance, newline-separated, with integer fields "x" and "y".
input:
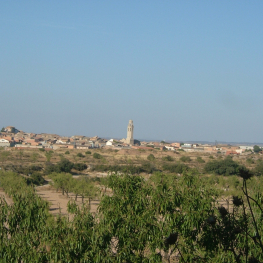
{"x": 97, "y": 156}
{"x": 175, "y": 168}
{"x": 80, "y": 166}
{"x": 151, "y": 157}
{"x": 185, "y": 159}
{"x": 250, "y": 161}
{"x": 63, "y": 166}
{"x": 258, "y": 170}
{"x": 80, "y": 155}
{"x": 200, "y": 159}
{"x": 88, "y": 152}
{"x": 36, "y": 178}
{"x": 67, "y": 152}
{"x": 222, "y": 167}
{"x": 168, "y": 158}
{"x": 41, "y": 149}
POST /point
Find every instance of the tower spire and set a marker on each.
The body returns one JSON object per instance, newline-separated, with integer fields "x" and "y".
{"x": 130, "y": 128}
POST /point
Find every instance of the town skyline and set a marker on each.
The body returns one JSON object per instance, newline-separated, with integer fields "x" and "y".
{"x": 138, "y": 139}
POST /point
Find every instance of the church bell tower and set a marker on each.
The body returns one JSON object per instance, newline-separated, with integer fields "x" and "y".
{"x": 130, "y": 139}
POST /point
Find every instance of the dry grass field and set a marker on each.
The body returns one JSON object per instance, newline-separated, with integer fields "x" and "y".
{"x": 13, "y": 159}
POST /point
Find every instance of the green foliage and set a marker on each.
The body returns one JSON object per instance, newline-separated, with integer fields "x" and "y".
{"x": 181, "y": 150}
{"x": 185, "y": 159}
{"x": 4, "y": 156}
{"x": 139, "y": 221}
{"x": 97, "y": 156}
{"x": 35, "y": 178}
{"x": 250, "y": 161}
{"x": 3, "y": 129}
{"x": 168, "y": 158}
{"x": 257, "y": 149}
{"x": 80, "y": 166}
{"x": 258, "y": 170}
{"x": 41, "y": 149}
{"x": 67, "y": 152}
{"x": 48, "y": 155}
{"x": 63, "y": 166}
{"x": 80, "y": 155}
{"x": 222, "y": 167}
{"x": 175, "y": 168}
{"x": 151, "y": 157}
{"x": 62, "y": 181}
{"x": 88, "y": 152}
{"x": 148, "y": 167}
{"x": 200, "y": 159}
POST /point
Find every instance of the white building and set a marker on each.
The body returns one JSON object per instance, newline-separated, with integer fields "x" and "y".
{"x": 109, "y": 142}
{"x": 245, "y": 147}
{"x": 4, "y": 143}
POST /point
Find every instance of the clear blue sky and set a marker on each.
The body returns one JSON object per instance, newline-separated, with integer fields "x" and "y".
{"x": 182, "y": 70}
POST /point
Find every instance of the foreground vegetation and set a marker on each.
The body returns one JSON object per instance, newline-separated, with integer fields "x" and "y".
{"x": 154, "y": 220}
{"x": 191, "y": 209}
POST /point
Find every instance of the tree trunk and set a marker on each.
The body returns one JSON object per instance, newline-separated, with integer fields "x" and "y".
{"x": 76, "y": 197}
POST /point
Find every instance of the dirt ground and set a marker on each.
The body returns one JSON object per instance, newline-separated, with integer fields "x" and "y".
{"x": 5, "y": 196}
{"x": 58, "y": 202}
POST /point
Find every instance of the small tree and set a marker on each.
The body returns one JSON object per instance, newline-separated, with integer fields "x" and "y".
{"x": 168, "y": 158}
{"x": 151, "y": 157}
{"x": 97, "y": 156}
{"x": 257, "y": 149}
{"x": 49, "y": 155}
{"x": 185, "y": 159}
{"x": 80, "y": 166}
{"x": 200, "y": 159}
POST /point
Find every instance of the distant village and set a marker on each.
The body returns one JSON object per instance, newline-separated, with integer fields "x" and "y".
{"x": 12, "y": 137}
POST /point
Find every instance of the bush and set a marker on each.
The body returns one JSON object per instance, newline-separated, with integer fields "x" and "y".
{"x": 175, "y": 168}
{"x": 151, "y": 157}
{"x": 80, "y": 166}
{"x": 36, "y": 179}
{"x": 80, "y": 155}
{"x": 168, "y": 158}
{"x": 185, "y": 159}
{"x": 250, "y": 161}
{"x": 222, "y": 167}
{"x": 67, "y": 152}
{"x": 148, "y": 167}
{"x": 257, "y": 149}
{"x": 41, "y": 149}
{"x": 97, "y": 156}
{"x": 88, "y": 152}
{"x": 63, "y": 166}
{"x": 258, "y": 170}
{"x": 200, "y": 159}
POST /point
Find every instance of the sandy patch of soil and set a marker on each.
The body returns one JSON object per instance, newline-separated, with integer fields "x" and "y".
{"x": 6, "y": 197}
{"x": 58, "y": 202}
